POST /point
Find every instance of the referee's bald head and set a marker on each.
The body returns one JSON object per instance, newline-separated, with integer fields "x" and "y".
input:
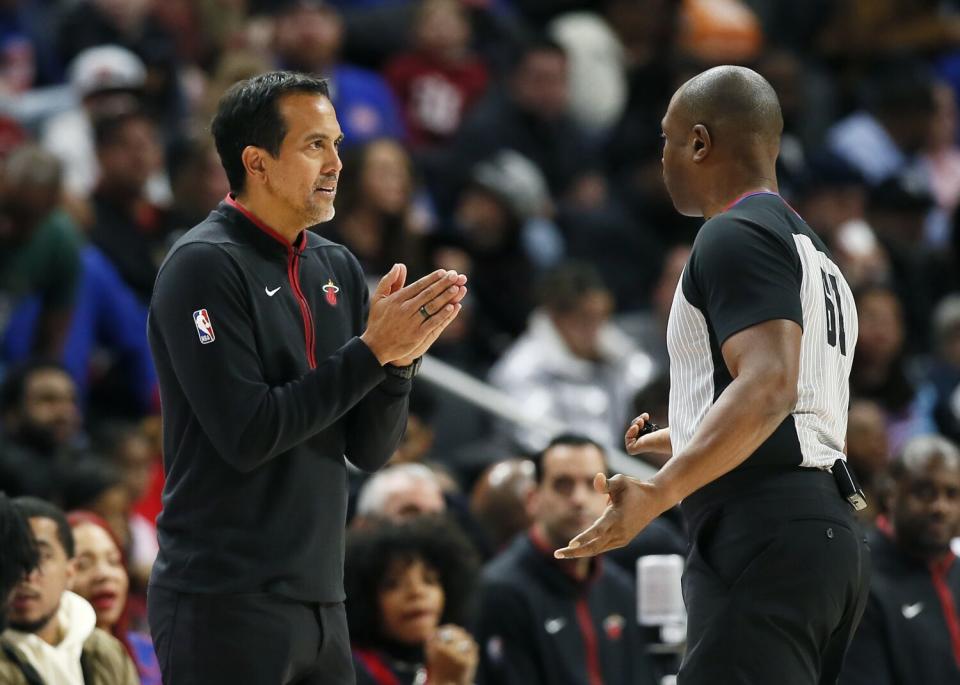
{"x": 737, "y": 105}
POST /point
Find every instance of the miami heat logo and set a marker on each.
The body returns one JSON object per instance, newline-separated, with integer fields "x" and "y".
{"x": 330, "y": 291}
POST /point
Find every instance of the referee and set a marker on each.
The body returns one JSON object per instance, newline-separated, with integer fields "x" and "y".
{"x": 761, "y": 337}
{"x": 274, "y": 363}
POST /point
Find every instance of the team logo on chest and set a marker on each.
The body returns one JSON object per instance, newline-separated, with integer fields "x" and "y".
{"x": 330, "y": 292}
{"x": 204, "y": 328}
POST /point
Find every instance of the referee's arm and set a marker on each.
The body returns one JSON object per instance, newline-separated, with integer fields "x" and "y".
{"x": 764, "y": 362}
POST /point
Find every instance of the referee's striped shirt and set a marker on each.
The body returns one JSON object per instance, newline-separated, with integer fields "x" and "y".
{"x": 756, "y": 262}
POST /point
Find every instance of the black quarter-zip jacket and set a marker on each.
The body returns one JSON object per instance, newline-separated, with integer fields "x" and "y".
{"x": 264, "y": 388}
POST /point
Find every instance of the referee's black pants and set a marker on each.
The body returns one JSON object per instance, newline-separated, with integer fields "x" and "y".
{"x": 248, "y": 639}
{"x": 775, "y": 585}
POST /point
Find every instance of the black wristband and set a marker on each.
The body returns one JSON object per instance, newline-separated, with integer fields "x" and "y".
{"x": 406, "y": 372}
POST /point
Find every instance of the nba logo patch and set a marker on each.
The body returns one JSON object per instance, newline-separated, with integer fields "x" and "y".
{"x": 204, "y": 327}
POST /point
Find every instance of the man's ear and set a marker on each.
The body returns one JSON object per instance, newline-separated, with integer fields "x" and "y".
{"x": 254, "y": 161}
{"x": 701, "y": 143}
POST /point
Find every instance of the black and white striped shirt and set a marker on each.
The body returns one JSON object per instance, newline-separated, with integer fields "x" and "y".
{"x": 759, "y": 261}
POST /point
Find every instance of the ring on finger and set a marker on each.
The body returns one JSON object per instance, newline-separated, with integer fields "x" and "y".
{"x": 423, "y": 312}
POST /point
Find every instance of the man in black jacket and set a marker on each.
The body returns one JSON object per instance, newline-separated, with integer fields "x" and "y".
{"x": 274, "y": 363}
{"x": 910, "y": 633}
{"x": 543, "y": 621}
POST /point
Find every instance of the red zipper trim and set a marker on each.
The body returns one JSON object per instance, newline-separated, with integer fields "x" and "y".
{"x": 594, "y": 677}
{"x": 375, "y": 667}
{"x": 293, "y": 273}
{"x": 938, "y": 571}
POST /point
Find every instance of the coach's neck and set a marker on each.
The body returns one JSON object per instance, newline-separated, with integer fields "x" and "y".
{"x": 272, "y": 211}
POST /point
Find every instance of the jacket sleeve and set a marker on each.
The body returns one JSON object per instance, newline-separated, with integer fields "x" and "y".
{"x": 375, "y": 426}
{"x": 508, "y": 649}
{"x": 868, "y": 661}
{"x": 248, "y": 421}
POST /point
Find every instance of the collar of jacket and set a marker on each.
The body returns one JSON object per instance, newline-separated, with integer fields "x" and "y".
{"x": 264, "y": 235}
{"x": 558, "y": 573}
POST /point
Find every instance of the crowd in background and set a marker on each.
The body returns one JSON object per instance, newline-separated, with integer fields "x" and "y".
{"x": 517, "y": 141}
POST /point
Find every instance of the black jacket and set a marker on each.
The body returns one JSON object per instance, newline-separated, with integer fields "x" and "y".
{"x": 264, "y": 387}
{"x": 905, "y": 637}
{"x": 537, "y": 625}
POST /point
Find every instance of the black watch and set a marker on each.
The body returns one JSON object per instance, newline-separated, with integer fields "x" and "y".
{"x": 406, "y": 372}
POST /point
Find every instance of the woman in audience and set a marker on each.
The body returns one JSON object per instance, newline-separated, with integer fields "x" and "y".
{"x": 102, "y": 580}
{"x": 407, "y": 591}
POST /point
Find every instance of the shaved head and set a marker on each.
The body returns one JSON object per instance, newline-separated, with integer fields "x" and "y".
{"x": 736, "y": 105}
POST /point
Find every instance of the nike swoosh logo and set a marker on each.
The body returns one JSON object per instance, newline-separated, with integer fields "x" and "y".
{"x": 273, "y": 292}
{"x": 911, "y": 610}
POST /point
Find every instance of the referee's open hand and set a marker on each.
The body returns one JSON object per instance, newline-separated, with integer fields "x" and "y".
{"x": 633, "y": 504}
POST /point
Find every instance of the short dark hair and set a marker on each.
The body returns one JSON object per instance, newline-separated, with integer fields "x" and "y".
{"x": 14, "y": 386}
{"x": 564, "y": 440}
{"x": 435, "y": 541}
{"x": 34, "y": 507}
{"x": 248, "y": 114}
{"x": 19, "y": 556}
{"x": 537, "y": 42}
{"x": 563, "y": 286}
{"x": 107, "y": 127}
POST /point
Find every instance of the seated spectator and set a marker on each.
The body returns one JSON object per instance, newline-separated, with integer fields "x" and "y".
{"x": 908, "y": 634}
{"x": 439, "y": 79}
{"x": 19, "y": 553}
{"x": 41, "y": 252}
{"x": 499, "y": 500}
{"x": 97, "y": 486}
{"x": 127, "y": 226}
{"x": 880, "y": 371}
{"x": 944, "y": 373}
{"x": 101, "y": 579}
{"x": 308, "y": 37}
{"x": 197, "y": 180}
{"x": 545, "y": 621}
{"x": 573, "y": 364}
{"x": 868, "y": 452}
{"x": 41, "y": 428}
{"x": 52, "y": 637}
{"x": 408, "y": 588}
{"x": 378, "y": 217}
{"x": 398, "y": 493}
{"x": 105, "y": 79}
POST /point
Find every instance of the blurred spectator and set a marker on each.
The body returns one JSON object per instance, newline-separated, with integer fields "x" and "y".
{"x": 941, "y": 154}
{"x": 649, "y": 329}
{"x": 831, "y": 195}
{"x": 944, "y": 373}
{"x": 197, "y": 180}
{"x": 131, "y": 24}
{"x": 440, "y": 78}
{"x": 408, "y": 592}
{"x": 909, "y": 634}
{"x": 106, "y": 79}
{"x": 308, "y": 37}
{"x": 41, "y": 428}
{"x": 868, "y": 452}
{"x": 53, "y": 637}
{"x": 499, "y": 500}
{"x": 864, "y": 28}
{"x": 544, "y": 620}
{"x": 573, "y": 364}
{"x": 897, "y": 212}
{"x": 883, "y": 138}
{"x": 101, "y": 579}
{"x": 39, "y": 251}
{"x": 19, "y": 553}
{"x": 598, "y": 80}
{"x": 417, "y": 440}
{"x": 378, "y": 215}
{"x": 880, "y": 370}
{"x": 398, "y": 493}
{"x": 128, "y": 228}
{"x": 530, "y": 115}
{"x": 719, "y": 31}
{"x": 97, "y": 486}
{"x": 500, "y": 223}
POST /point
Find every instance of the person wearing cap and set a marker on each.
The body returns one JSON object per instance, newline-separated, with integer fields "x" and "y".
{"x": 106, "y": 79}
{"x": 275, "y": 366}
